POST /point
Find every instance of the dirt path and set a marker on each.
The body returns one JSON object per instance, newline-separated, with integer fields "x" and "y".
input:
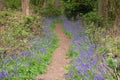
{"x": 56, "y": 69}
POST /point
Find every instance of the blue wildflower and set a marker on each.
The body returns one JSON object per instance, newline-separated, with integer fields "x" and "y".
{"x": 3, "y": 74}
{"x": 69, "y": 74}
{"x": 98, "y": 77}
{"x": 43, "y": 50}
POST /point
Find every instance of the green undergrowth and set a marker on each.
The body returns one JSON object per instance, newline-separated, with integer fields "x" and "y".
{"x": 28, "y": 67}
{"x": 70, "y": 52}
{"x": 107, "y": 43}
{"x": 16, "y": 29}
{"x": 67, "y": 32}
{"x": 107, "y": 47}
{"x": 25, "y": 63}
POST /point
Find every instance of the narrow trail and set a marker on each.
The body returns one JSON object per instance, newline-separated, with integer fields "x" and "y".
{"x": 55, "y": 70}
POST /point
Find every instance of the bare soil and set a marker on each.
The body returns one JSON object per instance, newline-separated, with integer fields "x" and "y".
{"x": 56, "y": 70}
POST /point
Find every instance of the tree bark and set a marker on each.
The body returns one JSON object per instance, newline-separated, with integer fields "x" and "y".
{"x": 56, "y": 2}
{"x": 100, "y": 8}
{"x": 116, "y": 25}
{"x": 1, "y": 5}
{"x": 25, "y": 7}
{"x": 45, "y": 4}
{"x": 103, "y": 8}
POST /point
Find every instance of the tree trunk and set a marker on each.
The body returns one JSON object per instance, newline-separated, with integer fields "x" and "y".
{"x": 25, "y": 7}
{"x": 116, "y": 25}
{"x": 1, "y": 5}
{"x": 103, "y": 8}
{"x": 100, "y": 7}
{"x": 56, "y": 2}
{"x": 45, "y": 4}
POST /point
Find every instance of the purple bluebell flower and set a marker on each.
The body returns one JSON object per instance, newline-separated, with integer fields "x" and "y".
{"x": 6, "y": 60}
{"x": 10, "y": 74}
{"x": 98, "y": 77}
{"x": 73, "y": 79}
{"x": 69, "y": 74}
{"x": 3, "y": 74}
{"x": 101, "y": 69}
{"x": 48, "y": 21}
{"x": 25, "y": 53}
{"x": 43, "y": 50}
{"x": 15, "y": 69}
{"x": 83, "y": 54}
{"x": 0, "y": 63}
{"x": 86, "y": 59}
{"x": 77, "y": 41}
{"x": 94, "y": 61}
{"x": 14, "y": 57}
{"x": 92, "y": 46}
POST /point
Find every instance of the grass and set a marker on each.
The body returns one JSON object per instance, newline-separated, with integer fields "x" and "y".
{"x": 67, "y": 33}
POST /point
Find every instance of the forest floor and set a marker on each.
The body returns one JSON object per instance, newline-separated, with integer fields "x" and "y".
{"x": 55, "y": 70}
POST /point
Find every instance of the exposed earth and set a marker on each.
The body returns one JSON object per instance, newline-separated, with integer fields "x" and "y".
{"x": 56, "y": 70}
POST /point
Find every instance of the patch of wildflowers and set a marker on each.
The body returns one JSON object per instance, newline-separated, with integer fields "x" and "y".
{"x": 69, "y": 74}
{"x": 98, "y": 77}
{"x": 25, "y": 53}
{"x": 3, "y": 73}
{"x": 25, "y": 61}
{"x": 86, "y": 61}
{"x": 43, "y": 50}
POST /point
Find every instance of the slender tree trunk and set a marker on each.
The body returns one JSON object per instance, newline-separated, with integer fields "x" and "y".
{"x": 100, "y": 7}
{"x": 56, "y": 2}
{"x": 25, "y": 7}
{"x": 45, "y": 4}
{"x": 103, "y": 11}
{"x": 106, "y": 9}
{"x": 116, "y": 25}
{"x": 103, "y": 8}
{"x": 1, "y": 5}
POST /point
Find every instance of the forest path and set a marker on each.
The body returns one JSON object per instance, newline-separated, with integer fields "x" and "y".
{"x": 55, "y": 70}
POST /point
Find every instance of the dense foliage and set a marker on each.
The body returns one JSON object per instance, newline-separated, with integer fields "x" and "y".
{"x": 13, "y": 4}
{"x": 47, "y": 8}
{"x": 75, "y": 8}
